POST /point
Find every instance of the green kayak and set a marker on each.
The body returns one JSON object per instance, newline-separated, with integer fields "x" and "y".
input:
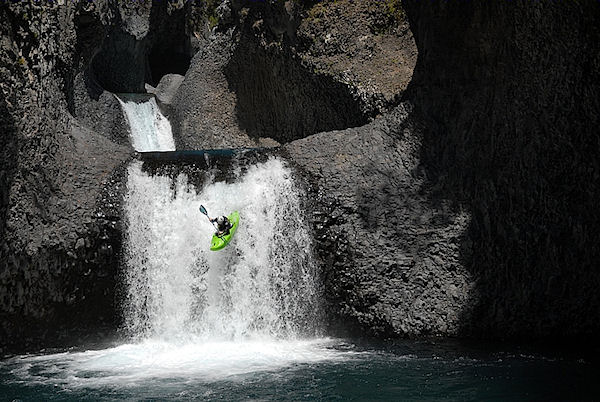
{"x": 219, "y": 242}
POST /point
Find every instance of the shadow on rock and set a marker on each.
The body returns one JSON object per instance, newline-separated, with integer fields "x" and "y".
{"x": 511, "y": 116}
{"x": 279, "y": 98}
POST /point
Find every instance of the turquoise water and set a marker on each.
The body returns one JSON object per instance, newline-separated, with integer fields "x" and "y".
{"x": 321, "y": 369}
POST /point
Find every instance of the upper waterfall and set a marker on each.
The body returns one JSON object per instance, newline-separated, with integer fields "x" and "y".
{"x": 150, "y": 130}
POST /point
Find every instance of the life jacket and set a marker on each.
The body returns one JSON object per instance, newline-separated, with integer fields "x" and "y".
{"x": 224, "y": 226}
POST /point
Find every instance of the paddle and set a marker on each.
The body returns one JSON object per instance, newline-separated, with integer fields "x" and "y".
{"x": 203, "y": 210}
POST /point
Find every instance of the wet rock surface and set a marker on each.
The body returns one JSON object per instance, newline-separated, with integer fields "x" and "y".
{"x": 204, "y": 167}
{"x": 394, "y": 261}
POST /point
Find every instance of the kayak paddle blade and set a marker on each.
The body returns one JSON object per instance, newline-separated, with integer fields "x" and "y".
{"x": 203, "y": 210}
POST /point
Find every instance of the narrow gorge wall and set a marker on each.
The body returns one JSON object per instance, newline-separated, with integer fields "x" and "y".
{"x": 510, "y": 95}
{"x": 470, "y": 209}
{"x": 393, "y": 258}
{"x": 58, "y": 245}
{"x": 272, "y": 72}
{"x": 64, "y": 149}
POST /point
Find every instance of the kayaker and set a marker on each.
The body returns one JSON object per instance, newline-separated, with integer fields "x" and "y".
{"x": 223, "y": 225}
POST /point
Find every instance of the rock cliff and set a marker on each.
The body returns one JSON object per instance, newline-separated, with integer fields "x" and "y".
{"x": 497, "y": 134}
{"x": 63, "y": 146}
{"x": 394, "y": 258}
{"x": 59, "y": 233}
{"x": 509, "y": 92}
{"x": 272, "y": 72}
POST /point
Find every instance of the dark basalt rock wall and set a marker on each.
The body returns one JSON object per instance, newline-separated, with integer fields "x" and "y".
{"x": 366, "y": 44}
{"x": 471, "y": 209}
{"x": 171, "y": 48}
{"x": 122, "y": 63}
{"x": 510, "y": 93}
{"x": 279, "y": 98}
{"x": 141, "y": 46}
{"x": 60, "y": 219}
{"x": 254, "y": 81}
{"x": 239, "y": 92}
{"x": 64, "y": 147}
{"x": 203, "y": 108}
{"x": 393, "y": 257}
{"x": 87, "y": 100}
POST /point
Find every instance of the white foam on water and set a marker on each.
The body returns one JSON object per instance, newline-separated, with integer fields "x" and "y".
{"x": 141, "y": 364}
{"x": 149, "y": 129}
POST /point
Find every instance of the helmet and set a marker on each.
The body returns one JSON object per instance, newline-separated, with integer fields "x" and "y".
{"x": 220, "y": 220}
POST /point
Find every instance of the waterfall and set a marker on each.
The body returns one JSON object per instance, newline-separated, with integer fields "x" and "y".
{"x": 193, "y": 315}
{"x": 149, "y": 128}
{"x": 261, "y": 286}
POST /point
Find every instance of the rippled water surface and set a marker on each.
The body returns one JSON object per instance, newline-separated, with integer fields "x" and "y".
{"x": 297, "y": 370}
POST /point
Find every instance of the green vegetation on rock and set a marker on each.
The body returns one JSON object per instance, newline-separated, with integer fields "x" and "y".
{"x": 211, "y": 13}
{"x": 394, "y": 8}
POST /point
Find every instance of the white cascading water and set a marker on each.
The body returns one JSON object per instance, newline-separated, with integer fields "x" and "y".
{"x": 149, "y": 129}
{"x": 261, "y": 286}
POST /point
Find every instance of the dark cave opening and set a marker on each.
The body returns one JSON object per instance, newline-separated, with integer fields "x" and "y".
{"x": 121, "y": 65}
{"x": 170, "y": 50}
{"x": 125, "y": 64}
{"x": 163, "y": 62}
